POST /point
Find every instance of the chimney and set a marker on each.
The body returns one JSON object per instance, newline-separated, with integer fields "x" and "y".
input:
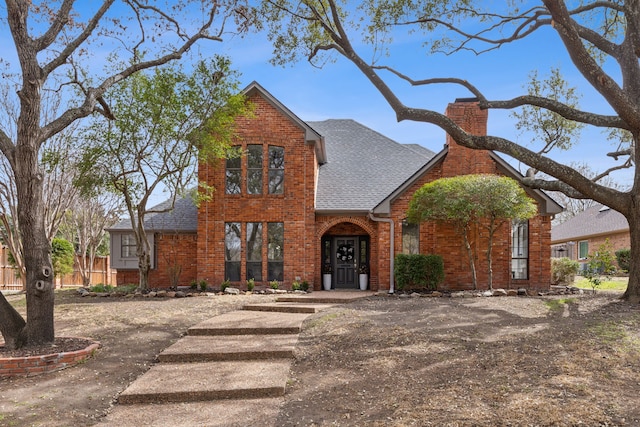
{"x": 466, "y": 113}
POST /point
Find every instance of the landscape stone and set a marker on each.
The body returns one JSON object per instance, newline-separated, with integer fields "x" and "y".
{"x": 499, "y": 293}
{"x": 161, "y": 294}
{"x": 171, "y": 294}
{"x": 232, "y": 291}
{"x": 487, "y": 293}
{"x": 512, "y": 292}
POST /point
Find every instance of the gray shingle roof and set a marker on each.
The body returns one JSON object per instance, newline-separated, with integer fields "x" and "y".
{"x": 183, "y": 218}
{"x": 363, "y": 167}
{"x": 596, "y": 220}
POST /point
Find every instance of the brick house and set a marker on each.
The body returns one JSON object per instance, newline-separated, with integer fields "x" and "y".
{"x": 579, "y": 236}
{"x": 310, "y": 196}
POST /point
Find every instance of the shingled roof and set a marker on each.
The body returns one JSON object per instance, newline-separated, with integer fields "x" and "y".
{"x": 595, "y": 221}
{"x": 363, "y": 166}
{"x": 183, "y": 218}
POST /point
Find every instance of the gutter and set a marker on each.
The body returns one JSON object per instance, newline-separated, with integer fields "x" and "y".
{"x": 391, "y": 245}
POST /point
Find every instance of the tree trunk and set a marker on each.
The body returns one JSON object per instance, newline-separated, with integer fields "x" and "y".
{"x": 632, "y": 294}
{"x": 472, "y": 264}
{"x": 39, "y": 328}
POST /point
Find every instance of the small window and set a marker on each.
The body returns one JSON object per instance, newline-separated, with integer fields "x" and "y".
{"x": 234, "y": 176}
{"x": 254, "y": 251}
{"x": 128, "y": 246}
{"x": 276, "y": 170}
{"x": 254, "y": 169}
{"x": 583, "y": 249}
{"x": 520, "y": 250}
{"x": 232, "y": 249}
{"x": 410, "y": 238}
{"x": 275, "y": 251}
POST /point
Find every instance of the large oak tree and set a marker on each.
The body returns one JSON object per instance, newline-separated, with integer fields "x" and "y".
{"x": 601, "y": 38}
{"x": 59, "y": 47}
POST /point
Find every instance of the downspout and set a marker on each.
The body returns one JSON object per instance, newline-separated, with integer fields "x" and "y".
{"x": 391, "y": 246}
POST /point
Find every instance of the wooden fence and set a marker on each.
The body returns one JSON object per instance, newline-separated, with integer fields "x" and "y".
{"x": 101, "y": 274}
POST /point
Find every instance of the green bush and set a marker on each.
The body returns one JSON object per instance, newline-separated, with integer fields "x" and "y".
{"x": 623, "y": 257}
{"x": 304, "y": 285}
{"x": 251, "y": 283}
{"x": 417, "y": 271}
{"x": 295, "y": 286}
{"x": 564, "y": 270}
{"x": 203, "y": 285}
{"x": 225, "y": 284}
{"x": 274, "y": 284}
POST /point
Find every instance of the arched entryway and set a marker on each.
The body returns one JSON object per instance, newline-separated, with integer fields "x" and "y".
{"x": 345, "y": 255}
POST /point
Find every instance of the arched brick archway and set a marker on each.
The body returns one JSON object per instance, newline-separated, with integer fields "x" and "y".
{"x": 360, "y": 229}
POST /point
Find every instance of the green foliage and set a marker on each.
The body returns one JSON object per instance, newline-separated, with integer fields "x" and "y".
{"x": 295, "y": 286}
{"x": 274, "y": 284}
{"x": 417, "y": 271}
{"x": 545, "y": 125}
{"x": 601, "y": 265}
{"x": 623, "y": 257}
{"x": 564, "y": 270}
{"x": 485, "y": 200}
{"x": 194, "y": 284}
{"x": 304, "y": 285}
{"x": 558, "y": 303}
{"x": 251, "y": 283}
{"x": 62, "y": 256}
{"x": 203, "y": 285}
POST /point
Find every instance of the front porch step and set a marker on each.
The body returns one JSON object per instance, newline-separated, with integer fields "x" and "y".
{"x": 250, "y": 323}
{"x": 326, "y": 297}
{"x": 191, "y": 349}
{"x": 285, "y": 307}
{"x": 208, "y": 381}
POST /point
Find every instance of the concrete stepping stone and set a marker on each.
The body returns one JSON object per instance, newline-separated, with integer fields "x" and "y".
{"x": 221, "y": 413}
{"x": 205, "y": 381}
{"x": 234, "y": 347}
{"x": 326, "y": 297}
{"x": 286, "y": 307}
{"x": 243, "y": 322}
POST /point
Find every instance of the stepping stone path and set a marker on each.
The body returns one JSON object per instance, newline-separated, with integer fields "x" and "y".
{"x": 230, "y": 370}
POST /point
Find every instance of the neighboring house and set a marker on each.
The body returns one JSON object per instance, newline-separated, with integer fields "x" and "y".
{"x": 579, "y": 236}
{"x": 332, "y": 195}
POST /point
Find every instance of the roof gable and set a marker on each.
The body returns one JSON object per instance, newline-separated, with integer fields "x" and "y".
{"x": 311, "y": 136}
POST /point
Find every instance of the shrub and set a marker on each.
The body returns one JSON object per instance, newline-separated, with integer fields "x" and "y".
{"x": 417, "y": 271}
{"x": 251, "y": 283}
{"x": 623, "y": 257}
{"x": 225, "y": 284}
{"x": 203, "y": 285}
{"x": 295, "y": 286}
{"x": 304, "y": 285}
{"x": 274, "y": 284}
{"x": 100, "y": 287}
{"x": 194, "y": 284}
{"x": 564, "y": 270}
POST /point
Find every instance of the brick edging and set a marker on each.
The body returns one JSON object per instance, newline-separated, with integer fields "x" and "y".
{"x": 27, "y": 366}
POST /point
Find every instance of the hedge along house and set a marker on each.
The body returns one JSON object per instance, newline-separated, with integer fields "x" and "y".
{"x": 309, "y": 197}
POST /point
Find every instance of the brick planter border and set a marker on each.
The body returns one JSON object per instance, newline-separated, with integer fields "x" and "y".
{"x": 34, "y": 365}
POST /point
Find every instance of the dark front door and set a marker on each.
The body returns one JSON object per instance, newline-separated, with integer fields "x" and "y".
{"x": 346, "y": 262}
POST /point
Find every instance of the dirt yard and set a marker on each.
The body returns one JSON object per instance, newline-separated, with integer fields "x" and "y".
{"x": 383, "y": 361}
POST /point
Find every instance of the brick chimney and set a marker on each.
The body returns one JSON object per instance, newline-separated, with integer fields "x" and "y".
{"x": 466, "y": 113}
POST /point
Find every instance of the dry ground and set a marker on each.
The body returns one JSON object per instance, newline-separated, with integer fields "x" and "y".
{"x": 383, "y": 361}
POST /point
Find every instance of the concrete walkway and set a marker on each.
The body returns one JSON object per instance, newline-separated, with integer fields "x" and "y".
{"x": 230, "y": 370}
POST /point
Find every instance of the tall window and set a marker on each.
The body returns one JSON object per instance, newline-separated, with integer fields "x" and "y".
{"x": 410, "y": 238}
{"x": 520, "y": 249}
{"x": 128, "y": 247}
{"x": 234, "y": 175}
{"x": 254, "y": 251}
{"x": 275, "y": 250}
{"x": 254, "y": 169}
{"x": 232, "y": 251}
{"x": 276, "y": 170}
{"x": 583, "y": 249}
